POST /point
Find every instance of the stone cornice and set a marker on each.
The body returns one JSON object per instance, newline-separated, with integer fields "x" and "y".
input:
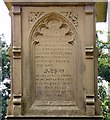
{"x": 101, "y": 7}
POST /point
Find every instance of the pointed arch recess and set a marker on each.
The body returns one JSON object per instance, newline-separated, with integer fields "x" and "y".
{"x": 52, "y": 39}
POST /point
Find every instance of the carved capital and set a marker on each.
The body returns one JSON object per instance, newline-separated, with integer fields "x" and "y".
{"x": 17, "y": 104}
{"x": 17, "y": 99}
{"x": 89, "y": 9}
{"x": 16, "y": 10}
{"x": 16, "y": 52}
{"x": 89, "y": 52}
{"x": 90, "y": 99}
{"x": 90, "y": 104}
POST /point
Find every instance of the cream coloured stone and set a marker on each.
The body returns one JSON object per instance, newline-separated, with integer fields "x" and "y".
{"x": 53, "y": 61}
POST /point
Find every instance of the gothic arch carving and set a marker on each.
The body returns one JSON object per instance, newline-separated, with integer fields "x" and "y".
{"x": 43, "y": 21}
{"x": 52, "y": 40}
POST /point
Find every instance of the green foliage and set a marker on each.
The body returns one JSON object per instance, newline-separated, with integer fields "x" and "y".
{"x": 104, "y": 73}
{"x": 105, "y": 100}
{"x": 4, "y": 106}
{"x": 4, "y": 74}
{"x": 104, "y": 58}
{"x": 4, "y": 59}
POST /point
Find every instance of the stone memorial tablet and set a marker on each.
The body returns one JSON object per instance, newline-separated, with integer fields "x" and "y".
{"x": 55, "y": 54}
{"x": 53, "y": 67}
{"x": 53, "y": 58}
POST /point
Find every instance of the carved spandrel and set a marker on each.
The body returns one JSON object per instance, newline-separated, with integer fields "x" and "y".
{"x": 34, "y": 16}
{"x": 73, "y": 17}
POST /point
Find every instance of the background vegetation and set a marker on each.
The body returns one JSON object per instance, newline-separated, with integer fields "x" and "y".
{"x": 4, "y": 76}
{"x": 104, "y": 74}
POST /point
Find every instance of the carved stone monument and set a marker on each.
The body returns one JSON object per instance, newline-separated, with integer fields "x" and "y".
{"x": 53, "y": 61}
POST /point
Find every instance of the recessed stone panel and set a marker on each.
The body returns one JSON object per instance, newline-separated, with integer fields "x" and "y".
{"x": 53, "y": 55}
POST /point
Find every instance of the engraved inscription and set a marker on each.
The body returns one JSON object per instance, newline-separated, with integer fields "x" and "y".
{"x": 53, "y": 54}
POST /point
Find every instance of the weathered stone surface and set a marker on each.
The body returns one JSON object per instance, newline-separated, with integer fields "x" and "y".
{"x": 53, "y": 62}
{"x": 56, "y": 118}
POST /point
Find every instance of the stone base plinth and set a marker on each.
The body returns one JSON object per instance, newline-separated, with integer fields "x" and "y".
{"x": 54, "y": 118}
